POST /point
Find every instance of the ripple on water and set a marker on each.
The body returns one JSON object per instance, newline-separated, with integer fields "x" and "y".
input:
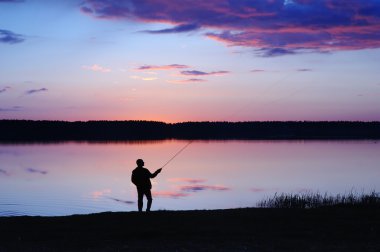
{"x": 58, "y": 207}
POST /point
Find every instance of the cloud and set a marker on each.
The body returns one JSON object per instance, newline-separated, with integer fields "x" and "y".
{"x": 304, "y": 190}
{"x": 274, "y": 52}
{"x": 187, "y": 180}
{"x": 97, "y": 68}
{"x": 257, "y": 71}
{"x": 120, "y": 200}
{"x": 176, "y": 29}
{"x": 136, "y": 77}
{"x": 170, "y": 194}
{"x": 100, "y": 193}
{"x": 163, "y": 67}
{"x": 4, "y": 89}
{"x": 9, "y": 37}
{"x": 4, "y": 172}
{"x": 86, "y": 10}
{"x": 304, "y": 70}
{"x": 33, "y": 91}
{"x": 197, "y": 188}
{"x": 200, "y": 73}
{"x": 33, "y": 170}
{"x": 193, "y": 80}
{"x": 274, "y": 27}
{"x": 11, "y": 109}
{"x": 259, "y": 189}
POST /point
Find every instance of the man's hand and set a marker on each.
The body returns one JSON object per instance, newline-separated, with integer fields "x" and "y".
{"x": 159, "y": 170}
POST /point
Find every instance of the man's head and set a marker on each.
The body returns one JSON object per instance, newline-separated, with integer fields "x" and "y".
{"x": 140, "y": 162}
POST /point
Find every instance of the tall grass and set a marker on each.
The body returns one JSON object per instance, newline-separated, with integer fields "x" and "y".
{"x": 315, "y": 200}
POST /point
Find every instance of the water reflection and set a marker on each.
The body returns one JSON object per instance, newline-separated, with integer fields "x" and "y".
{"x": 72, "y": 178}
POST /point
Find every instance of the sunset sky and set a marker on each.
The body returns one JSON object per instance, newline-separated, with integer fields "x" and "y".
{"x": 190, "y": 60}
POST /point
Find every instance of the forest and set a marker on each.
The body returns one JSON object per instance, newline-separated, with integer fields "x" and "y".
{"x": 32, "y": 131}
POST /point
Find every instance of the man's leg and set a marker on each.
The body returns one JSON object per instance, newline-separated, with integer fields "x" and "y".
{"x": 149, "y": 198}
{"x": 140, "y": 195}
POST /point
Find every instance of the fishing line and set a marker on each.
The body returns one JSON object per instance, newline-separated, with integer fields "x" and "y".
{"x": 178, "y": 152}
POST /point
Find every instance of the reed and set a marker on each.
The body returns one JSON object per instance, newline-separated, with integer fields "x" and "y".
{"x": 316, "y": 200}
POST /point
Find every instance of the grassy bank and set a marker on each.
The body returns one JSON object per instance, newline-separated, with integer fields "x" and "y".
{"x": 316, "y": 200}
{"x": 252, "y": 229}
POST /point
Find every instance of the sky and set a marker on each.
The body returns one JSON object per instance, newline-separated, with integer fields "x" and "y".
{"x": 190, "y": 60}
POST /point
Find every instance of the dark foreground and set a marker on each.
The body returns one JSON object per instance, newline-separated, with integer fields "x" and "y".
{"x": 325, "y": 229}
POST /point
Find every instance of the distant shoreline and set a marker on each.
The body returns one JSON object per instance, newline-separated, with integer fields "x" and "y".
{"x": 249, "y": 229}
{"x": 35, "y": 131}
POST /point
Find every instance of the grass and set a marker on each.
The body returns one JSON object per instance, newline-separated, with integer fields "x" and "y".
{"x": 316, "y": 200}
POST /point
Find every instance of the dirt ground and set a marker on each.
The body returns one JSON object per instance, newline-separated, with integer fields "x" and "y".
{"x": 251, "y": 229}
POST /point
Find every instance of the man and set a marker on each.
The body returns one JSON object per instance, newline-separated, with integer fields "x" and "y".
{"x": 141, "y": 178}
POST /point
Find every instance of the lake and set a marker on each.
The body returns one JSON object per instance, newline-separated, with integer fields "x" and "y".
{"x": 80, "y": 177}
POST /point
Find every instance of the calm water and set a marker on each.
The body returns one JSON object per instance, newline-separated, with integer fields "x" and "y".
{"x": 78, "y": 178}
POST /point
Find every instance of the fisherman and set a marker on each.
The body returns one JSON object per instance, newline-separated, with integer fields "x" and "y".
{"x": 141, "y": 178}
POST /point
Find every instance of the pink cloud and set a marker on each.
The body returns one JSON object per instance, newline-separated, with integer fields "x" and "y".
{"x": 259, "y": 189}
{"x": 97, "y": 68}
{"x": 187, "y": 180}
{"x": 136, "y": 77}
{"x": 193, "y": 80}
{"x": 169, "y": 194}
{"x": 101, "y": 193}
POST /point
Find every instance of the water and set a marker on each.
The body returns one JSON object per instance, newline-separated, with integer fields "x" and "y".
{"x": 79, "y": 178}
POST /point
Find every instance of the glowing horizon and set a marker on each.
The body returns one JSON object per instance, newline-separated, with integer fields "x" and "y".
{"x": 176, "y": 61}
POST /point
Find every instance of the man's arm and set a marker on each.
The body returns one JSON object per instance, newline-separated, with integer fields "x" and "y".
{"x": 133, "y": 178}
{"x": 155, "y": 173}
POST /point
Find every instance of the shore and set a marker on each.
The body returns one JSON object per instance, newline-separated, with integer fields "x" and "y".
{"x": 251, "y": 229}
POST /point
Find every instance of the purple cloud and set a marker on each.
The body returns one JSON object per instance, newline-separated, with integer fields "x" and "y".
{"x": 257, "y": 71}
{"x": 261, "y": 189}
{"x": 170, "y": 194}
{"x": 120, "y": 200}
{"x": 176, "y": 29}
{"x": 11, "y": 109}
{"x": 33, "y": 170}
{"x": 274, "y": 27}
{"x": 200, "y": 73}
{"x": 4, "y": 172}
{"x": 193, "y": 80}
{"x": 87, "y": 10}
{"x": 9, "y": 37}
{"x": 4, "y": 89}
{"x": 187, "y": 180}
{"x": 33, "y": 91}
{"x": 162, "y": 67}
{"x": 304, "y": 70}
{"x": 274, "y": 52}
{"x": 197, "y": 188}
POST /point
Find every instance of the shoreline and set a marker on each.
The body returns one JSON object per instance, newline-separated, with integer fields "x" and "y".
{"x": 245, "y": 229}
{"x": 53, "y": 131}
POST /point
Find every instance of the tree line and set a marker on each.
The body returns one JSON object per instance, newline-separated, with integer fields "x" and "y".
{"x": 27, "y": 130}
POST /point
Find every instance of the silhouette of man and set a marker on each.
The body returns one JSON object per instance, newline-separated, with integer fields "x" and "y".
{"x": 141, "y": 178}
